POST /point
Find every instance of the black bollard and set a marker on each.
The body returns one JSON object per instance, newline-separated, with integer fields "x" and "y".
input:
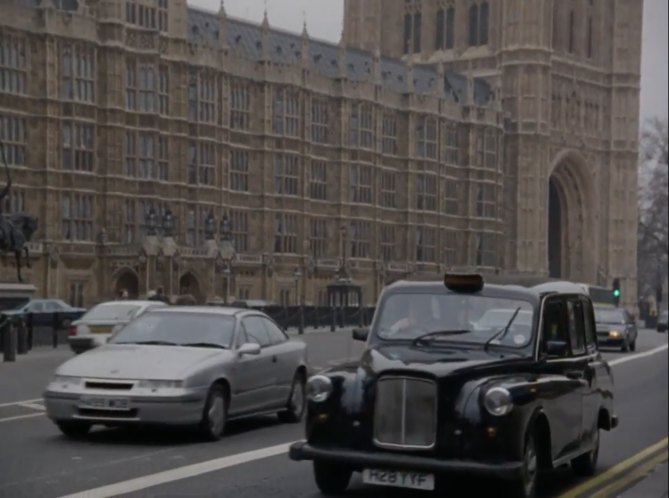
{"x": 21, "y": 337}
{"x": 29, "y": 325}
{"x": 9, "y": 341}
{"x": 55, "y": 329}
{"x": 333, "y": 321}
{"x": 300, "y": 312}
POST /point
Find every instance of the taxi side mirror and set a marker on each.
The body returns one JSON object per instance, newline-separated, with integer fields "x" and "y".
{"x": 249, "y": 349}
{"x": 361, "y": 334}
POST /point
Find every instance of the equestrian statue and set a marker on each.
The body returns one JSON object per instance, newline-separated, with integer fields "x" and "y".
{"x": 16, "y": 229}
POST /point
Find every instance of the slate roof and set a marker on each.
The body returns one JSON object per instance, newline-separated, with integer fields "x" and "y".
{"x": 246, "y": 40}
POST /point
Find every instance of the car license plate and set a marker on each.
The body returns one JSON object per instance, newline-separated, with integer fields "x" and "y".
{"x": 399, "y": 479}
{"x": 99, "y": 403}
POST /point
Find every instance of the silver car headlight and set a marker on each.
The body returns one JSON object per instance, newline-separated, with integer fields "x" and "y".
{"x": 498, "y": 401}
{"x": 66, "y": 381}
{"x": 160, "y": 384}
{"x": 319, "y": 388}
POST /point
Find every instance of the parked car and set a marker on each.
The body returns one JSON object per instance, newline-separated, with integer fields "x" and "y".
{"x": 431, "y": 395}
{"x": 200, "y": 366}
{"x": 42, "y": 312}
{"x": 662, "y": 321}
{"x": 97, "y": 326}
{"x": 616, "y": 327}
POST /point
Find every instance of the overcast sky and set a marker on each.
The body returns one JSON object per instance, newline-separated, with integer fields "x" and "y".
{"x": 324, "y": 20}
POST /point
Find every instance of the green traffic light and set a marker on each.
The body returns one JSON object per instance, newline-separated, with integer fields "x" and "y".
{"x": 616, "y": 293}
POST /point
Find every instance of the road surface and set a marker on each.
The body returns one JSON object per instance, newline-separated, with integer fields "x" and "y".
{"x": 251, "y": 461}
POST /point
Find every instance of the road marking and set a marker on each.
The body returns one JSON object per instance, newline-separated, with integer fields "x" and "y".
{"x": 615, "y": 470}
{"x": 14, "y": 403}
{"x": 637, "y": 356}
{"x": 33, "y": 406}
{"x": 19, "y": 417}
{"x": 180, "y": 473}
{"x": 637, "y": 474}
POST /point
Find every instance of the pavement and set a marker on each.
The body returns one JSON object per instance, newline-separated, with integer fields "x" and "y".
{"x": 250, "y": 462}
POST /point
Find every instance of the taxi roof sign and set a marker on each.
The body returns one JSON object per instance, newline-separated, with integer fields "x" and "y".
{"x": 466, "y": 283}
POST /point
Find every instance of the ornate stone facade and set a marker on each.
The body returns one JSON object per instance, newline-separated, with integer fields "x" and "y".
{"x": 567, "y": 75}
{"x": 318, "y": 154}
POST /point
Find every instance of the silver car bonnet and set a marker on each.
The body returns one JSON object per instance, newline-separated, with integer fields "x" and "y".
{"x": 139, "y": 362}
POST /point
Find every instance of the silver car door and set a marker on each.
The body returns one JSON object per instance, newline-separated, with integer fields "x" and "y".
{"x": 254, "y": 373}
{"x": 284, "y": 361}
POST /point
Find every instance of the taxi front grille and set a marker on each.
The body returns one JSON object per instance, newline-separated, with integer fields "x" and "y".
{"x": 109, "y": 386}
{"x": 405, "y": 415}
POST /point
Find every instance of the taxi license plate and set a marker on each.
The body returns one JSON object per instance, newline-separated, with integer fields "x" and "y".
{"x": 399, "y": 479}
{"x": 99, "y": 403}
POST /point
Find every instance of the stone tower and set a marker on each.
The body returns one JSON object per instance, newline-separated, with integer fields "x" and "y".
{"x": 567, "y": 73}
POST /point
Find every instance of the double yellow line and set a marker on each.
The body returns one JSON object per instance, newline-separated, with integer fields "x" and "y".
{"x": 623, "y": 474}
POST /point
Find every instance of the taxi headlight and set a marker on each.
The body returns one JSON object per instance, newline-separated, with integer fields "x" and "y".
{"x": 498, "y": 401}
{"x": 160, "y": 384}
{"x": 615, "y": 334}
{"x": 319, "y": 388}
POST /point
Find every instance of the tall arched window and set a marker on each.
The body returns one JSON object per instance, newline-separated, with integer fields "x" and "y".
{"x": 473, "y": 25}
{"x": 450, "y": 28}
{"x": 417, "y": 32}
{"x": 408, "y": 24}
{"x": 483, "y": 23}
{"x": 445, "y": 29}
{"x": 441, "y": 30}
{"x": 572, "y": 21}
{"x": 589, "y": 39}
{"x": 479, "y": 24}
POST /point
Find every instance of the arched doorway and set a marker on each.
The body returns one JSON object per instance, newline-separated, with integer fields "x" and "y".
{"x": 572, "y": 235}
{"x": 127, "y": 280}
{"x": 189, "y": 284}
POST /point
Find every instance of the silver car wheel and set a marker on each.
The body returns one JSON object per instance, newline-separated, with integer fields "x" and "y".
{"x": 216, "y": 415}
{"x": 297, "y": 398}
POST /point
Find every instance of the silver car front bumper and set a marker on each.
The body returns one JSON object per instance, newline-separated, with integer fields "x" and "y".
{"x": 185, "y": 409}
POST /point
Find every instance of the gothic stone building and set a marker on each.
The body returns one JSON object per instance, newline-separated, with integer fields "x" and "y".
{"x": 499, "y": 136}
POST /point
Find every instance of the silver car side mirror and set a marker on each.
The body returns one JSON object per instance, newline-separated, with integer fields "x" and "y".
{"x": 249, "y": 349}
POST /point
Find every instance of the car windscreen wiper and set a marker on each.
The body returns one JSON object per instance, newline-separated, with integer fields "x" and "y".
{"x": 204, "y": 345}
{"x": 150, "y": 343}
{"x": 438, "y": 333}
{"x": 502, "y": 332}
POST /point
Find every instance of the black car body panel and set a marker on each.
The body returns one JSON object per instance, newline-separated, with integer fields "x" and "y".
{"x": 567, "y": 399}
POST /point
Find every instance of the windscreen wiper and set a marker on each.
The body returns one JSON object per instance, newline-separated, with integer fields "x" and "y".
{"x": 204, "y": 345}
{"x": 502, "y": 332}
{"x": 438, "y": 333}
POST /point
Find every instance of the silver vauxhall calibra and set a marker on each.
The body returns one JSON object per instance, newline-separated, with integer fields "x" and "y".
{"x": 182, "y": 366}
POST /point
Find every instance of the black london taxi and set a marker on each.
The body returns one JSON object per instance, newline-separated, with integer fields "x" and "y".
{"x": 463, "y": 377}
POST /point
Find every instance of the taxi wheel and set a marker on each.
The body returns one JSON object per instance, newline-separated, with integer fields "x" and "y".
{"x": 296, "y": 402}
{"x": 331, "y": 479}
{"x": 215, "y": 415}
{"x": 586, "y": 465}
{"x": 526, "y": 486}
{"x": 74, "y": 430}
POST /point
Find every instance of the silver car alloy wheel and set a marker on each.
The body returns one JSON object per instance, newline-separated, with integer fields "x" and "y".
{"x": 297, "y": 397}
{"x": 216, "y": 414}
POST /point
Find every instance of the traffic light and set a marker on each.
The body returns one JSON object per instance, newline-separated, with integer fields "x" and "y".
{"x": 616, "y": 291}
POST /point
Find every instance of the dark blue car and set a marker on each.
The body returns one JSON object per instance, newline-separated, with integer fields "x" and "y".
{"x": 42, "y": 311}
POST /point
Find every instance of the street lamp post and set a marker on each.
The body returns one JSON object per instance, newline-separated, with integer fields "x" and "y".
{"x": 168, "y": 234}
{"x": 343, "y": 230}
{"x": 227, "y": 252}
{"x": 297, "y": 275}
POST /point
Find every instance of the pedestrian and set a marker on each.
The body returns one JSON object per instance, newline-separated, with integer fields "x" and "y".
{"x": 185, "y": 300}
{"x": 160, "y": 295}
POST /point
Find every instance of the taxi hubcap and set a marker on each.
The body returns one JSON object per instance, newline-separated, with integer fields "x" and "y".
{"x": 530, "y": 467}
